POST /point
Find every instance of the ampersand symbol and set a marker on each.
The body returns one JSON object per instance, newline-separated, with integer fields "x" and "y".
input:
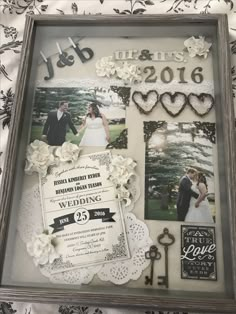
{"x": 145, "y": 55}
{"x": 64, "y": 60}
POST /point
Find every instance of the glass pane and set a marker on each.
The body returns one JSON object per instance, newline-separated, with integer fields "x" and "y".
{"x": 121, "y": 174}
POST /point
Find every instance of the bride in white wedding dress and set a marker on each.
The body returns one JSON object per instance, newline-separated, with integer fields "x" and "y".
{"x": 199, "y": 210}
{"x": 97, "y": 129}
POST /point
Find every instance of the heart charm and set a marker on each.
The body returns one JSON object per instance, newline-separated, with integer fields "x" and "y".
{"x": 201, "y": 104}
{"x": 174, "y": 103}
{"x": 145, "y": 102}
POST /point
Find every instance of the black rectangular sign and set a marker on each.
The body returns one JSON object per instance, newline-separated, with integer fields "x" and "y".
{"x": 198, "y": 253}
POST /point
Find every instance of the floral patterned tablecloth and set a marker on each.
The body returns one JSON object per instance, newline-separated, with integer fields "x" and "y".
{"x": 12, "y": 18}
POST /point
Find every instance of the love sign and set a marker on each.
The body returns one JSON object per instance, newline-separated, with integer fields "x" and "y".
{"x": 198, "y": 253}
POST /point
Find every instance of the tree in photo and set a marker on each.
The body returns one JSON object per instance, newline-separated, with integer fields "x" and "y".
{"x": 170, "y": 151}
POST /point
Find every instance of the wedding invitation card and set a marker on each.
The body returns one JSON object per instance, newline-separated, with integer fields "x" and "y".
{"x": 79, "y": 205}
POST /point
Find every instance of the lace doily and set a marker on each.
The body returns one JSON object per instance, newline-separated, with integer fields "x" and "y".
{"x": 30, "y": 219}
{"x": 206, "y": 86}
{"x": 74, "y": 277}
{"x": 30, "y": 222}
{"x": 139, "y": 242}
{"x": 83, "y": 83}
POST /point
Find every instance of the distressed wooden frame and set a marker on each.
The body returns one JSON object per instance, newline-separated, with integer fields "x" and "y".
{"x": 124, "y": 297}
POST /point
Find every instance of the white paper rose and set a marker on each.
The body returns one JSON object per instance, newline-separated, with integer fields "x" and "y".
{"x": 129, "y": 72}
{"x": 68, "y": 152}
{"x": 42, "y": 249}
{"x": 197, "y": 46}
{"x": 39, "y": 157}
{"x": 123, "y": 194}
{"x": 122, "y": 70}
{"x": 105, "y": 67}
{"x": 122, "y": 164}
{"x": 121, "y": 170}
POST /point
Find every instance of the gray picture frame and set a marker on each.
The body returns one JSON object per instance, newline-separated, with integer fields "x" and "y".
{"x": 225, "y": 126}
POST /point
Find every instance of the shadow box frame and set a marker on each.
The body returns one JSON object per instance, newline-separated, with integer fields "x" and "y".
{"x": 225, "y": 127}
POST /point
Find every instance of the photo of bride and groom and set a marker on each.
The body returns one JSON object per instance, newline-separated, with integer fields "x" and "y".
{"x": 179, "y": 172}
{"x": 92, "y": 116}
{"x": 95, "y": 126}
{"x": 192, "y": 204}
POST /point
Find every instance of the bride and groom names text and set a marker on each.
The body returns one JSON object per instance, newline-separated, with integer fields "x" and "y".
{"x": 78, "y": 186}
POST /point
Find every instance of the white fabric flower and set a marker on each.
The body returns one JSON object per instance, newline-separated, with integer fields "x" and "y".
{"x": 119, "y": 163}
{"x": 197, "y": 46}
{"x": 42, "y": 249}
{"x": 105, "y": 67}
{"x": 39, "y": 157}
{"x": 124, "y": 70}
{"x": 123, "y": 194}
{"x": 129, "y": 72}
{"x": 121, "y": 170}
{"x": 68, "y": 152}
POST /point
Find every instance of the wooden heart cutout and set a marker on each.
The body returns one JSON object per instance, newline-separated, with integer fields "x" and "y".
{"x": 174, "y": 103}
{"x": 145, "y": 102}
{"x": 201, "y": 104}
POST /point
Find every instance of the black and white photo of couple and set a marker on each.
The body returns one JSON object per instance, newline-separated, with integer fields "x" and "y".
{"x": 172, "y": 150}
{"x": 84, "y": 116}
{"x": 192, "y": 204}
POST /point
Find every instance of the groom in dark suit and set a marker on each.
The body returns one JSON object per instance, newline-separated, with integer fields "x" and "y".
{"x": 185, "y": 194}
{"x": 56, "y": 125}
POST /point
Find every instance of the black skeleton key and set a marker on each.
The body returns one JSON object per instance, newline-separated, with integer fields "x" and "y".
{"x": 154, "y": 255}
{"x": 165, "y": 239}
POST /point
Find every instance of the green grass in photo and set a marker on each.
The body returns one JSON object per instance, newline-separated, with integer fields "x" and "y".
{"x": 115, "y": 130}
{"x": 153, "y": 210}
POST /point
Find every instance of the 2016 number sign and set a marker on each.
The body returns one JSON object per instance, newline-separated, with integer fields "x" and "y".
{"x": 167, "y": 75}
